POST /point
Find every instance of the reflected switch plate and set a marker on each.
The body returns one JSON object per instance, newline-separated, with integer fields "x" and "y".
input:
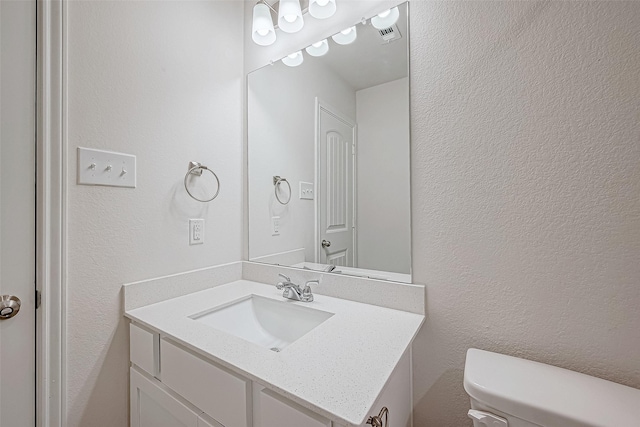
{"x": 306, "y": 190}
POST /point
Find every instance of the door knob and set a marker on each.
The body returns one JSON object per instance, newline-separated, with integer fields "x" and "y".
{"x": 326, "y": 243}
{"x": 9, "y": 306}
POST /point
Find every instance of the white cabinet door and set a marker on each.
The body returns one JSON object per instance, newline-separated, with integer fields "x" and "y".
{"x": 397, "y": 395}
{"x": 152, "y": 405}
{"x": 272, "y": 410}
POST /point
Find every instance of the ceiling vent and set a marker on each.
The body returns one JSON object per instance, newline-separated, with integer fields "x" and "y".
{"x": 390, "y": 34}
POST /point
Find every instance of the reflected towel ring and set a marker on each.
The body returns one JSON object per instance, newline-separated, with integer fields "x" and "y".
{"x": 276, "y": 183}
{"x": 196, "y": 169}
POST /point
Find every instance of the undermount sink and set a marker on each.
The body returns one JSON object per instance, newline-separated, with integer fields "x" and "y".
{"x": 269, "y": 323}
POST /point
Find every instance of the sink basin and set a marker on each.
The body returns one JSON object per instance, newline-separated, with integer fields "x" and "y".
{"x": 269, "y": 323}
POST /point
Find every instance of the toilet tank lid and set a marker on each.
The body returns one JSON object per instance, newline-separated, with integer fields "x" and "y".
{"x": 548, "y": 395}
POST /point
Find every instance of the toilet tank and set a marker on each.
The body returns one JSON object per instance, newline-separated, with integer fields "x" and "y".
{"x": 526, "y": 393}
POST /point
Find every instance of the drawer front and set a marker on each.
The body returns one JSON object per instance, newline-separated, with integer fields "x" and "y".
{"x": 144, "y": 348}
{"x": 216, "y": 391}
{"x": 274, "y": 411}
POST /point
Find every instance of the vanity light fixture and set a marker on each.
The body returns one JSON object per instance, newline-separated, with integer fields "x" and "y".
{"x": 319, "y": 48}
{"x": 322, "y": 9}
{"x": 346, "y": 36}
{"x": 262, "y": 31}
{"x": 294, "y": 59}
{"x": 385, "y": 19}
{"x": 290, "y": 16}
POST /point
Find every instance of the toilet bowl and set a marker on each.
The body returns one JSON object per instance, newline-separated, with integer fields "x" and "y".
{"x": 507, "y": 391}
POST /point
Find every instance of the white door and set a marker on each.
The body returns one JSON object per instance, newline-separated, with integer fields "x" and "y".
{"x": 336, "y": 188}
{"x": 17, "y": 210}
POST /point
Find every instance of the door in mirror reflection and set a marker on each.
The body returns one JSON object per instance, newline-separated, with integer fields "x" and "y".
{"x": 337, "y": 128}
{"x": 336, "y": 188}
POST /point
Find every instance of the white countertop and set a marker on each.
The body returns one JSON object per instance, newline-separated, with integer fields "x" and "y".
{"x": 337, "y": 369}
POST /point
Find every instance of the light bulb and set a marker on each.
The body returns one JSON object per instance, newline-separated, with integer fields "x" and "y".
{"x": 318, "y": 48}
{"x": 290, "y": 18}
{"x": 262, "y": 31}
{"x": 346, "y": 36}
{"x": 322, "y": 9}
{"x": 385, "y": 19}
{"x": 293, "y": 59}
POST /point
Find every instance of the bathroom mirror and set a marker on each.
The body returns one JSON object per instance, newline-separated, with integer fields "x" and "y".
{"x": 328, "y": 154}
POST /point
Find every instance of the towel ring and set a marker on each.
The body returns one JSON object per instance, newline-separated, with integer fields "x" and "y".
{"x": 277, "y": 180}
{"x": 196, "y": 169}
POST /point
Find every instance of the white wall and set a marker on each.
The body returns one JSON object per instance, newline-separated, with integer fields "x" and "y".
{"x": 525, "y": 187}
{"x": 384, "y": 207}
{"x": 161, "y": 80}
{"x": 281, "y": 103}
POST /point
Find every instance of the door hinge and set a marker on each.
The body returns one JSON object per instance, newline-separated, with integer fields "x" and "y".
{"x": 38, "y": 299}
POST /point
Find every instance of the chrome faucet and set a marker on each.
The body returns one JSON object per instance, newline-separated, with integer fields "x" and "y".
{"x": 292, "y": 291}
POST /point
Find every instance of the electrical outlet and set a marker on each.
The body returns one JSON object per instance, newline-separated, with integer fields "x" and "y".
{"x": 275, "y": 226}
{"x": 196, "y": 231}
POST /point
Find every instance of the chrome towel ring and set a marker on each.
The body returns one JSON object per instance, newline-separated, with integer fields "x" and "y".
{"x": 196, "y": 169}
{"x": 277, "y": 180}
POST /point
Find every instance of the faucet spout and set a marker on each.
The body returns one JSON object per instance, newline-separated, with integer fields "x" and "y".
{"x": 294, "y": 292}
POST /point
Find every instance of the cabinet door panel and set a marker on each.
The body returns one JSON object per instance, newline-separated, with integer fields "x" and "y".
{"x": 152, "y": 406}
{"x": 274, "y": 411}
{"x": 397, "y": 395}
{"x": 216, "y": 391}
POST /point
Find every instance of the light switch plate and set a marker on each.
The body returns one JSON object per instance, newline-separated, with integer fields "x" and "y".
{"x": 99, "y": 167}
{"x": 306, "y": 190}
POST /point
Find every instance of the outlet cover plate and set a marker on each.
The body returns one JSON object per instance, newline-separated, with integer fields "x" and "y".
{"x": 196, "y": 231}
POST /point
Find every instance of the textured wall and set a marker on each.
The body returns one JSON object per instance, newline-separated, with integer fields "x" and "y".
{"x": 526, "y": 189}
{"x": 161, "y": 80}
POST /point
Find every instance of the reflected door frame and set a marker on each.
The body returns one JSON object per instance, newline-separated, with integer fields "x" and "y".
{"x": 322, "y": 106}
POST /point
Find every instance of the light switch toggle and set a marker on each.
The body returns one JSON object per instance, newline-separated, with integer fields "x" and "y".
{"x": 124, "y": 171}
{"x": 92, "y": 166}
{"x": 109, "y": 167}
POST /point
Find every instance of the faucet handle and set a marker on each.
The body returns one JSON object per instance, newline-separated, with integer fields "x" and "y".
{"x": 307, "y": 296}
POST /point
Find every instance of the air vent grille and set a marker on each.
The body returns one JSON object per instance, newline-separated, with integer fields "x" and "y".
{"x": 390, "y": 34}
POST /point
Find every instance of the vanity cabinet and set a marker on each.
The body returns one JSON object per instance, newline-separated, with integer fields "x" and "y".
{"x": 172, "y": 386}
{"x": 155, "y": 405}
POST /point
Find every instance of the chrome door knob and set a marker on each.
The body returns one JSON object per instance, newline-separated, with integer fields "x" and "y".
{"x": 9, "y": 306}
{"x": 326, "y": 243}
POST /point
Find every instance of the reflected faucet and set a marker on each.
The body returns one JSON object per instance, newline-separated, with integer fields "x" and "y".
{"x": 292, "y": 291}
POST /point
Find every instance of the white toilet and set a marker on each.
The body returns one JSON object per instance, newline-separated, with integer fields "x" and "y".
{"x": 507, "y": 391}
